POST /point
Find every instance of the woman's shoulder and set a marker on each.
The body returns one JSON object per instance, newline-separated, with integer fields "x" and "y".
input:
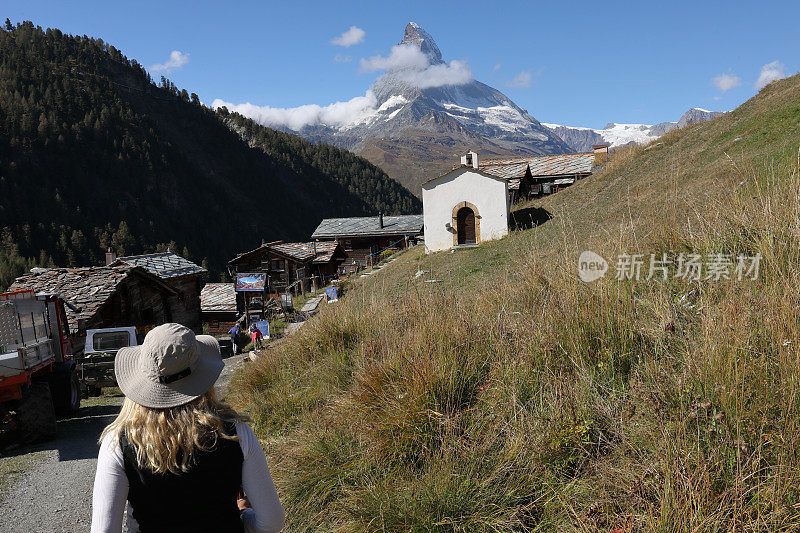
{"x": 247, "y": 438}
{"x": 110, "y": 446}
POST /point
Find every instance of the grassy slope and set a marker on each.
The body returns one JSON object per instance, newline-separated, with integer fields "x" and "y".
{"x": 509, "y": 396}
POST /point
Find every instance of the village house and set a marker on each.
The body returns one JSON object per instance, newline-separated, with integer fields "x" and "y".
{"x": 364, "y": 238}
{"x": 218, "y": 307}
{"x": 107, "y": 296}
{"x": 465, "y": 206}
{"x": 179, "y": 273}
{"x": 285, "y": 267}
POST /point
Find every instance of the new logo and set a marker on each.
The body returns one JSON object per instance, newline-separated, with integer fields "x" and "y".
{"x": 591, "y": 266}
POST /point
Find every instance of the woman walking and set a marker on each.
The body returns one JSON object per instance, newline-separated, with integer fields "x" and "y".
{"x": 178, "y": 456}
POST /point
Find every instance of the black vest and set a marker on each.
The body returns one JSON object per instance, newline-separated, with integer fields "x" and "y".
{"x": 202, "y": 500}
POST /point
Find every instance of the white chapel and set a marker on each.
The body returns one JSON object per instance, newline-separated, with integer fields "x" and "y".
{"x": 465, "y": 207}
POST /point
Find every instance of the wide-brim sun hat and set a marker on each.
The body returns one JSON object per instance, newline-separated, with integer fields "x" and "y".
{"x": 173, "y": 366}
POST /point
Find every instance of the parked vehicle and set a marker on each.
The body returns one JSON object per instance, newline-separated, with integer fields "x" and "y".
{"x": 96, "y": 363}
{"x": 38, "y": 378}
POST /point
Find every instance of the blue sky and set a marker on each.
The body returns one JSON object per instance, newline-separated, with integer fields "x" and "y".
{"x": 575, "y": 63}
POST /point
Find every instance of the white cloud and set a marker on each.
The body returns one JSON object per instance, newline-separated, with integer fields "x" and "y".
{"x": 336, "y": 114}
{"x": 401, "y": 56}
{"x": 496, "y": 67}
{"x": 523, "y": 79}
{"x": 453, "y": 73}
{"x": 177, "y": 59}
{"x": 769, "y": 73}
{"x": 341, "y": 58}
{"x": 411, "y": 65}
{"x": 354, "y": 35}
{"x": 725, "y": 82}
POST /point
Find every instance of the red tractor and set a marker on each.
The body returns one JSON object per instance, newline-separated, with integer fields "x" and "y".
{"x": 38, "y": 378}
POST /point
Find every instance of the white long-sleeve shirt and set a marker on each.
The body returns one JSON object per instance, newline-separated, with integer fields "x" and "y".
{"x": 111, "y": 488}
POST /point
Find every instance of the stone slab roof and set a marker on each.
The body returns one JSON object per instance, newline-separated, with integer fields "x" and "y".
{"x": 87, "y": 288}
{"x": 218, "y": 297}
{"x": 294, "y": 250}
{"x": 165, "y": 265}
{"x": 332, "y": 228}
{"x": 299, "y": 251}
{"x": 325, "y": 250}
{"x": 540, "y": 166}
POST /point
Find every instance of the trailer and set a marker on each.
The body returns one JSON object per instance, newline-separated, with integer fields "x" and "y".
{"x": 38, "y": 378}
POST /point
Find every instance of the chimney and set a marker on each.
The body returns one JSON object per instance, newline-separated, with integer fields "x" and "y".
{"x": 470, "y": 159}
{"x": 380, "y": 220}
{"x": 110, "y": 256}
{"x": 600, "y": 153}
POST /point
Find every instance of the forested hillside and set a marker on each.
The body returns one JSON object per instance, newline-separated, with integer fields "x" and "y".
{"x": 94, "y": 154}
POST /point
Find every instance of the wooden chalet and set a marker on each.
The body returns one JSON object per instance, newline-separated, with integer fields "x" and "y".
{"x": 108, "y": 296}
{"x": 289, "y": 267}
{"x": 218, "y": 307}
{"x": 179, "y": 273}
{"x": 364, "y": 238}
{"x": 540, "y": 175}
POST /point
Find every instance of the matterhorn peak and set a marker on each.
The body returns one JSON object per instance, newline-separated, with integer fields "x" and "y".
{"x": 415, "y": 35}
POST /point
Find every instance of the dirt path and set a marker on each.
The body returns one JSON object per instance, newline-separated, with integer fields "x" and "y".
{"x": 55, "y": 493}
{"x": 47, "y": 488}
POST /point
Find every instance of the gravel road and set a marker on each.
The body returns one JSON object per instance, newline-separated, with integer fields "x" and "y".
{"x": 48, "y": 487}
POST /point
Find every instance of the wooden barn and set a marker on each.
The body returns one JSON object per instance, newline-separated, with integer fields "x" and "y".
{"x": 540, "y": 175}
{"x": 218, "y": 307}
{"x": 108, "y": 296}
{"x": 179, "y": 273}
{"x": 364, "y": 238}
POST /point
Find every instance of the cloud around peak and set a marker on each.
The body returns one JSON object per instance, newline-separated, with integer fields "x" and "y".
{"x": 354, "y": 35}
{"x": 412, "y": 65}
{"x": 402, "y": 56}
{"x": 176, "y": 60}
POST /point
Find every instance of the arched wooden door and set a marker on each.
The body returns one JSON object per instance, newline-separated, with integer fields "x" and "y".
{"x": 465, "y": 222}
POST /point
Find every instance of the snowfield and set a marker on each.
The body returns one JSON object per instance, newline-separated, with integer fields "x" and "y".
{"x": 616, "y": 134}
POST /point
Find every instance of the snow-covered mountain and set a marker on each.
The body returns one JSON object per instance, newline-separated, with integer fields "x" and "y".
{"x": 582, "y": 139}
{"x": 423, "y": 112}
{"x": 418, "y": 116}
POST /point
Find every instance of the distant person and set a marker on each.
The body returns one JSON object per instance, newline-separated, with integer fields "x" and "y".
{"x": 234, "y": 333}
{"x": 176, "y": 454}
{"x": 257, "y": 336}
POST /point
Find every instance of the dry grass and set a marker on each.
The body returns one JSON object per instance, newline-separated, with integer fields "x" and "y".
{"x": 510, "y": 396}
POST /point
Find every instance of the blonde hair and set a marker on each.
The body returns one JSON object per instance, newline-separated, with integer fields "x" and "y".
{"x": 166, "y": 440}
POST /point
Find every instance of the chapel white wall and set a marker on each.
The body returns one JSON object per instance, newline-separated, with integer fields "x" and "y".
{"x": 489, "y": 195}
